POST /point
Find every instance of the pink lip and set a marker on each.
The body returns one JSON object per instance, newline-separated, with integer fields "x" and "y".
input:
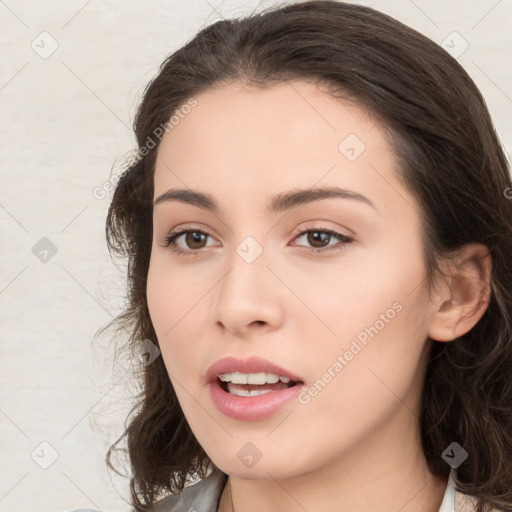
{"x": 251, "y": 408}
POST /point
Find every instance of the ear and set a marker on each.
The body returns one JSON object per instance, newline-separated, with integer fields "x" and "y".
{"x": 463, "y": 298}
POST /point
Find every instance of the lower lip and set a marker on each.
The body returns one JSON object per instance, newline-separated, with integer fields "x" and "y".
{"x": 251, "y": 408}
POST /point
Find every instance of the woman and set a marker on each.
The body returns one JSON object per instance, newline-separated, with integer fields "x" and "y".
{"x": 318, "y": 230}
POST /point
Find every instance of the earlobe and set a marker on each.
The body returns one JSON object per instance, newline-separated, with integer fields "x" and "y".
{"x": 465, "y": 298}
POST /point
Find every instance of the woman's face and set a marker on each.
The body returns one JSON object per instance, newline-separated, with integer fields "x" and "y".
{"x": 349, "y": 321}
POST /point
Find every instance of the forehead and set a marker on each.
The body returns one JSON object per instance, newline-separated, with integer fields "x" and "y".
{"x": 274, "y": 115}
{"x": 245, "y": 140}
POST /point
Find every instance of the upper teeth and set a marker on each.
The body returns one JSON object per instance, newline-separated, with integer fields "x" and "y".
{"x": 252, "y": 378}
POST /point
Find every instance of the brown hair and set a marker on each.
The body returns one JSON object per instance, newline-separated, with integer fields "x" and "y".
{"x": 450, "y": 159}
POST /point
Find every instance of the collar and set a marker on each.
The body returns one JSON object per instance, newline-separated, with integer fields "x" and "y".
{"x": 448, "y": 503}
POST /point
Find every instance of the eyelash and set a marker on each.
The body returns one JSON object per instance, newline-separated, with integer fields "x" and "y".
{"x": 170, "y": 240}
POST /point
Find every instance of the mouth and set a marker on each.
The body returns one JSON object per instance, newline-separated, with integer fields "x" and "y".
{"x": 250, "y": 389}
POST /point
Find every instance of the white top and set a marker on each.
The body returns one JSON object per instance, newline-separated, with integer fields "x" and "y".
{"x": 448, "y": 503}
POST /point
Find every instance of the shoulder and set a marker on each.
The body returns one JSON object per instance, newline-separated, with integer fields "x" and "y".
{"x": 204, "y": 495}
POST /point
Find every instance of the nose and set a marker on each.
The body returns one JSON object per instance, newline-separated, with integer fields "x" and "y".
{"x": 248, "y": 297}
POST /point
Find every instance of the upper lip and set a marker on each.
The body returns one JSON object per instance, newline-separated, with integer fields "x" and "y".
{"x": 251, "y": 364}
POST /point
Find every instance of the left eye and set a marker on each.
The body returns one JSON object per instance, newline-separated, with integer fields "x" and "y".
{"x": 318, "y": 238}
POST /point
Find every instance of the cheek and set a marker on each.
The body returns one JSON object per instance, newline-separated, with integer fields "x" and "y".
{"x": 177, "y": 299}
{"x": 381, "y": 331}
{"x": 173, "y": 294}
{"x": 356, "y": 387}
{"x": 347, "y": 296}
{"x": 168, "y": 302}
{"x": 374, "y": 313}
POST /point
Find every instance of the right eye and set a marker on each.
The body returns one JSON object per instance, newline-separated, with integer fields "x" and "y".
{"x": 192, "y": 238}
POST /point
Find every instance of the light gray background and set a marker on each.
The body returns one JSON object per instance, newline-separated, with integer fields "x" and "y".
{"x": 65, "y": 120}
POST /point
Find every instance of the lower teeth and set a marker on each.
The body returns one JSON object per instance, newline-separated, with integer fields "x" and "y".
{"x": 245, "y": 392}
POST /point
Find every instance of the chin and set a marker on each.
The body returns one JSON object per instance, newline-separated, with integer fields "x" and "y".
{"x": 266, "y": 468}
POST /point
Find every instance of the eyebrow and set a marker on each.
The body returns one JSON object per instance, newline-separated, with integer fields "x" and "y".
{"x": 279, "y": 203}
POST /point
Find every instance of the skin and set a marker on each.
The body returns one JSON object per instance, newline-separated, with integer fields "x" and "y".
{"x": 354, "y": 446}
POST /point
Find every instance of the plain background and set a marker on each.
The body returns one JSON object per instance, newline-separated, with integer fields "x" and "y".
{"x": 65, "y": 121}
